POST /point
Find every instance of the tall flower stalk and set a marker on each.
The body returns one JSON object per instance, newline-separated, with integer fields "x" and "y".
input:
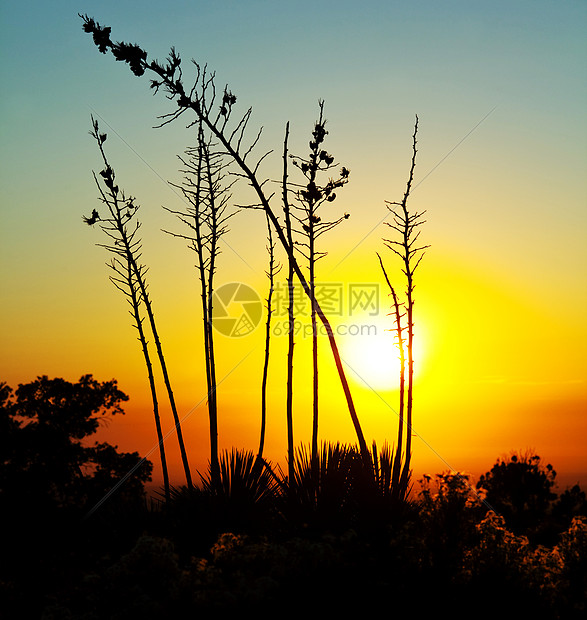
{"x": 207, "y": 198}
{"x": 119, "y": 223}
{"x": 397, "y": 489}
{"x": 407, "y": 226}
{"x": 272, "y": 270}
{"x": 310, "y": 197}
{"x": 290, "y": 310}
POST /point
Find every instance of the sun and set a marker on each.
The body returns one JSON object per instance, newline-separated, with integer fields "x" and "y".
{"x": 372, "y": 355}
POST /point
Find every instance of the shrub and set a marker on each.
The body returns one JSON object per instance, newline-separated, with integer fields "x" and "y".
{"x": 520, "y": 489}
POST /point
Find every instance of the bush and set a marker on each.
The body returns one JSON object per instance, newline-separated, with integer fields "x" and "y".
{"x": 520, "y": 489}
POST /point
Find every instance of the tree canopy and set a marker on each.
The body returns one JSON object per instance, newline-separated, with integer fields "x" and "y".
{"x": 44, "y": 449}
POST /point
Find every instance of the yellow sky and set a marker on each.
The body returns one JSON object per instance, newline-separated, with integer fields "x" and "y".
{"x": 489, "y": 379}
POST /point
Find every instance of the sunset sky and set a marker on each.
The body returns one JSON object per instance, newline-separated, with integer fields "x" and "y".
{"x": 500, "y": 90}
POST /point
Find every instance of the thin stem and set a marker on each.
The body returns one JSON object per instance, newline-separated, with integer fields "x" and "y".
{"x": 290, "y": 314}
{"x": 396, "y": 488}
{"x": 130, "y": 250}
{"x": 271, "y": 275}
{"x": 138, "y": 323}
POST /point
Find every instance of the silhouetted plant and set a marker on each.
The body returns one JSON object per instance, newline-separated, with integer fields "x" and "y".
{"x": 322, "y": 497}
{"x": 310, "y": 197}
{"x": 246, "y": 494}
{"x": 121, "y": 211}
{"x": 572, "y": 583}
{"x": 290, "y": 308}
{"x": 398, "y": 484}
{"x": 384, "y": 470}
{"x": 206, "y": 216}
{"x": 406, "y": 224}
{"x": 200, "y": 99}
{"x": 272, "y": 271}
{"x": 571, "y": 503}
{"x": 46, "y": 459}
{"x": 543, "y": 582}
{"x": 341, "y": 491}
{"x": 52, "y": 471}
{"x": 520, "y": 489}
{"x": 450, "y": 508}
{"x": 120, "y": 225}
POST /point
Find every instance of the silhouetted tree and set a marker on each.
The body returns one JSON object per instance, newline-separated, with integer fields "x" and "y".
{"x": 571, "y": 503}
{"x": 200, "y": 99}
{"x": 52, "y": 472}
{"x": 520, "y": 489}
{"x": 120, "y": 225}
{"x": 310, "y": 198}
{"x": 406, "y": 224}
{"x": 44, "y": 454}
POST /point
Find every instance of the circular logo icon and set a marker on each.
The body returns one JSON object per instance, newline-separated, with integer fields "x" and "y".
{"x": 237, "y": 309}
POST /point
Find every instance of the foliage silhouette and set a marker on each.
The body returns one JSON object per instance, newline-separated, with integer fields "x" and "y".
{"x": 337, "y": 491}
{"x": 45, "y": 458}
{"x": 570, "y": 504}
{"x": 520, "y": 489}
{"x": 449, "y": 509}
{"x": 247, "y": 546}
{"x": 243, "y": 500}
{"x": 50, "y": 476}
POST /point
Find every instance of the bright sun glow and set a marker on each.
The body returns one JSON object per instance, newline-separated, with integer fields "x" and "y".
{"x": 373, "y": 356}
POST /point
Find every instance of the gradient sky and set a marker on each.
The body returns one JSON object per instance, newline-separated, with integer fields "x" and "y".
{"x": 500, "y": 89}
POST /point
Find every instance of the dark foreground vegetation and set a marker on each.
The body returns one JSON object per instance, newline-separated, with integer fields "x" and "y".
{"x": 333, "y": 540}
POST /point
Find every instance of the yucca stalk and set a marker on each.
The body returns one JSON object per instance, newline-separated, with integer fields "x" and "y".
{"x": 310, "y": 198}
{"x": 397, "y": 464}
{"x": 271, "y": 272}
{"x": 206, "y": 216}
{"x": 128, "y": 273}
{"x": 140, "y": 274}
{"x": 407, "y": 224}
{"x": 290, "y": 310}
{"x": 200, "y": 99}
